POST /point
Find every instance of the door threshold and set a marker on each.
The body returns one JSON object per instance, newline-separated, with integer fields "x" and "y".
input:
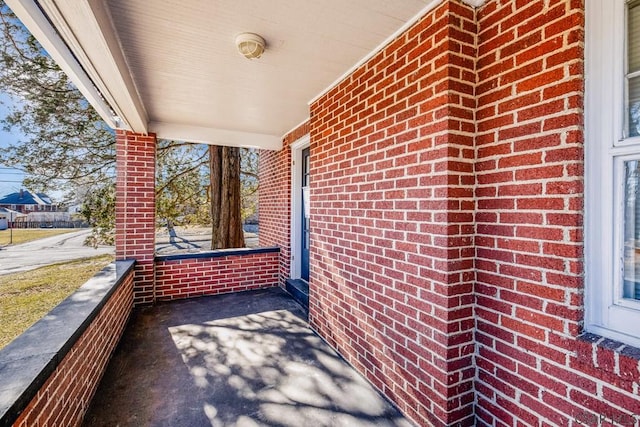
{"x": 299, "y": 290}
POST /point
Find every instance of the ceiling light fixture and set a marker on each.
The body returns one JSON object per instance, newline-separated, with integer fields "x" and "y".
{"x": 250, "y": 45}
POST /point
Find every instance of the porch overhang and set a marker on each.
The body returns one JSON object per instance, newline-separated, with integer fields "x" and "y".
{"x": 150, "y": 66}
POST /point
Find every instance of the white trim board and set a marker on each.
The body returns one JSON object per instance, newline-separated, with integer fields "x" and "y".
{"x": 32, "y": 17}
{"x": 296, "y": 204}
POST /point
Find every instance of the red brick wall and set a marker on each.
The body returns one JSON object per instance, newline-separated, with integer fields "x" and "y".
{"x": 210, "y": 275}
{"x": 274, "y": 199}
{"x": 136, "y": 208}
{"x": 392, "y": 209}
{"x": 447, "y": 222}
{"x": 531, "y": 368}
{"x": 66, "y": 395}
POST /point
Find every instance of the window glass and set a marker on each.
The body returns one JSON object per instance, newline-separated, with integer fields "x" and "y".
{"x": 631, "y": 286}
{"x": 634, "y": 106}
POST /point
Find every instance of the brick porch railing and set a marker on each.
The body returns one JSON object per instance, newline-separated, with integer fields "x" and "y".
{"x": 49, "y": 374}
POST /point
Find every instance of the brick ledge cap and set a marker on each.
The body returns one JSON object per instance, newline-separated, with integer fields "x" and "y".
{"x": 218, "y": 253}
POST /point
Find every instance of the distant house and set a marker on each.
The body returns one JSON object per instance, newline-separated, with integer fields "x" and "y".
{"x": 7, "y": 216}
{"x": 75, "y": 208}
{"x": 25, "y": 201}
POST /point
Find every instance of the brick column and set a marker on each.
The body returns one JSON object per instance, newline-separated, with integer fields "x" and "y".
{"x": 135, "y": 208}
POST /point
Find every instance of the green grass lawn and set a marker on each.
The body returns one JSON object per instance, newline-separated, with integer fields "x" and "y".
{"x": 22, "y": 235}
{"x": 26, "y": 297}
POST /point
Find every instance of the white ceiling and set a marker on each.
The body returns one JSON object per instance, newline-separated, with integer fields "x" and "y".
{"x": 173, "y": 68}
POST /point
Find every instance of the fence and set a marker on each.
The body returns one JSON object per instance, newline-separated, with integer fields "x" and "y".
{"x": 48, "y": 224}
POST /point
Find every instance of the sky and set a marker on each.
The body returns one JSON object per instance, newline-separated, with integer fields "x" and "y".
{"x": 10, "y": 179}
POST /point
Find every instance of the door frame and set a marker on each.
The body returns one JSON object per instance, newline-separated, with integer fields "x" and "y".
{"x": 296, "y": 205}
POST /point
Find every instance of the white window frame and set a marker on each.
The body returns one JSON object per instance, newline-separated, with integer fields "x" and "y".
{"x": 297, "y": 148}
{"x": 607, "y": 313}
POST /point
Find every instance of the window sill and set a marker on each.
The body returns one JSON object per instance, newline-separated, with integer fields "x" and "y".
{"x": 608, "y": 356}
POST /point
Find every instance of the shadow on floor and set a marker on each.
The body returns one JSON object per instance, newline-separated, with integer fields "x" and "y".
{"x": 244, "y": 359}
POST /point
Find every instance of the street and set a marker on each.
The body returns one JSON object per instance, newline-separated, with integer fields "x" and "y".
{"x": 193, "y": 240}
{"x": 50, "y": 250}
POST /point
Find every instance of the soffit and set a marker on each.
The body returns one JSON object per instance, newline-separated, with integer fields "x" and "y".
{"x": 173, "y": 68}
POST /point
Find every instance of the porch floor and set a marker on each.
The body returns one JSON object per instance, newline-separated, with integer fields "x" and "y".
{"x": 244, "y": 359}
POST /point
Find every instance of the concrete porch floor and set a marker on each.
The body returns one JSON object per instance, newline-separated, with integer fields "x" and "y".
{"x": 244, "y": 359}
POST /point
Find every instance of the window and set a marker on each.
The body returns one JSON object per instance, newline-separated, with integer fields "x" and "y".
{"x": 612, "y": 149}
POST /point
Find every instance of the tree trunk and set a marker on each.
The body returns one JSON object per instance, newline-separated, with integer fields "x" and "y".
{"x": 226, "y": 221}
{"x": 171, "y": 230}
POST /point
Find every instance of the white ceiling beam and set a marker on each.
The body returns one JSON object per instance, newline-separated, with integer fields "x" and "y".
{"x": 87, "y": 29}
{"x": 215, "y": 136}
{"x": 38, "y": 24}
